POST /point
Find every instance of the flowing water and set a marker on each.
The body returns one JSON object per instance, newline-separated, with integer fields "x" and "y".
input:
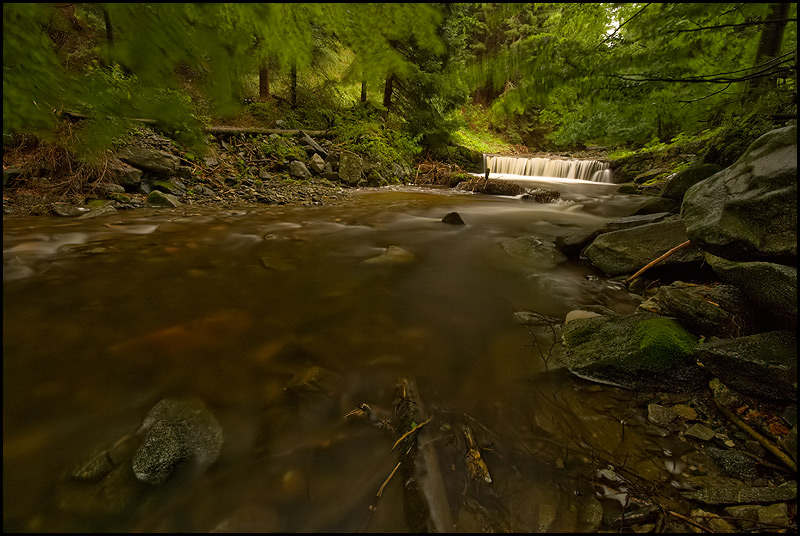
{"x": 563, "y": 168}
{"x": 102, "y": 318}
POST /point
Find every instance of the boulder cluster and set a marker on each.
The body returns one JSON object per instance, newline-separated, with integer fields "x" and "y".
{"x": 722, "y": 308}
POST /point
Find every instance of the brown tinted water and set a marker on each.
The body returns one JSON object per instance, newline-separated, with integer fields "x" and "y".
{"x": 102, "y": 318}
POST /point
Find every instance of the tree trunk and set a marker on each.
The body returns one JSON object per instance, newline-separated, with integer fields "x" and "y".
{"x": 363, "y": 91}
{"x": 263, "y": 82}
{"x": 769, "y": 45}
{"x": 109, "y": 35}
{"x": 387, "y": 94}
{"x": 293, "y": 75}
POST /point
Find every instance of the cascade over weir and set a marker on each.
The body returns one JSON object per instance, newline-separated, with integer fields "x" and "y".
{"x": 585, "y": 170}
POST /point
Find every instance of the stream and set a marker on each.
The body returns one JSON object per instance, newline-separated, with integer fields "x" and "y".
{"x": 104, "y": 317}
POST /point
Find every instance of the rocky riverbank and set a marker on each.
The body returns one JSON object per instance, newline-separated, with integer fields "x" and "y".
{"x": 718, "y": 322}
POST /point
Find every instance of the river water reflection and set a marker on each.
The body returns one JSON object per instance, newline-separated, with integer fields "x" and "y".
{"x": 102, "y": 318}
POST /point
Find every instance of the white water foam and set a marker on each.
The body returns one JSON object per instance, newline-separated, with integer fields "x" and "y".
{"x": 572, "y": 169}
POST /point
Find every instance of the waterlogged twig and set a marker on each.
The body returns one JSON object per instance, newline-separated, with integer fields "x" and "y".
{"x": 417, "y": 427}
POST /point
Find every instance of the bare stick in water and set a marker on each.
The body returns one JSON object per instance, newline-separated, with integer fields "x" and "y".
{"x": 656, "y": 261}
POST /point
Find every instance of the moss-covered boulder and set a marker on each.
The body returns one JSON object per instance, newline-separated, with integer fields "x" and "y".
{"x": 641, "y": 351}
{"x": 157, "y": 198}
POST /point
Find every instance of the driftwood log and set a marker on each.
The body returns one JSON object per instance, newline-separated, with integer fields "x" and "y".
{"x": 426, "y": 505}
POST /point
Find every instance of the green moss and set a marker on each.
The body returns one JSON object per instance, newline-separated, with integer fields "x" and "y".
{"x": 662, "y": 341}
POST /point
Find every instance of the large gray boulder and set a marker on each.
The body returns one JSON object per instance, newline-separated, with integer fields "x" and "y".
{"x": 350, "y": 168}
{"x": 628, "y": 250}
{"x": 764, "y": 364}
{"x": 748, "y": 211}
{"x": 178, "y": 433}
{"x": 769, "y": 286}
{"x": 680, "y": 183}
{"x": 149, "y": 159}
{"x": 298, "y": 170}
{"x": 641, "y": 351}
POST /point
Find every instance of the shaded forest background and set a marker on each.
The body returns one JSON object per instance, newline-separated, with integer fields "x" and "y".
{"x": 402, "y": 78}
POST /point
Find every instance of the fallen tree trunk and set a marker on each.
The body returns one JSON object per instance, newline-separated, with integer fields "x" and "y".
{"x": 222, "y": 130}
{"x": 253, "y": 130}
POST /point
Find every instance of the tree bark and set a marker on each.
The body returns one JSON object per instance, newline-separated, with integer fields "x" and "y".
{"x": 387, "y": 94}
{"x": 263, "y": 82}
{"x": 293, "y": 75}
{"x": 769, "y": 46}
{"x": 109, "y": 35}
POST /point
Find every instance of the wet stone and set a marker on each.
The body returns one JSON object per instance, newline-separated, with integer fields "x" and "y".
{"x": 685, "y": 412}
{"x": 719, "y": 490}
{"x": 736, "y": 464}
{"x": 700, "y": 431}
{"x": 660, "y": 415}
{"x": 774, "y": 514}
{"x": 95, "y": 469}
{"x": 453, "y": 218}
{"x": 178, "y": 432}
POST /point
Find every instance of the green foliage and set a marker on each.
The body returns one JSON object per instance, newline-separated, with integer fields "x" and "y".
{"x": 281, "y": 148}
{"x": 362, "y": 131}
{"x": 34, "y": 83}
{"x": 552, "y": 74}
{"x": 626, "y": 73}
{"x": 477, "y": 133}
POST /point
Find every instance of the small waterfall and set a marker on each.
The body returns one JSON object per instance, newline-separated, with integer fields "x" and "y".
{"x": 585, "y": 170}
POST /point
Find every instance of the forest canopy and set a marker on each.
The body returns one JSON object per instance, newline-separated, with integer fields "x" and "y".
{"x": 545, "y": 74}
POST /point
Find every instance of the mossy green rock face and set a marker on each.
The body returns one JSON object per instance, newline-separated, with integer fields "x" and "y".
{"x": 642, "y": 351}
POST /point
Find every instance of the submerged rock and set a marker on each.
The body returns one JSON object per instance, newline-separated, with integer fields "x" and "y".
{"x": 533, "y": 250}
{"x": 178, "y": 432}
{"x": 392, "y": 255}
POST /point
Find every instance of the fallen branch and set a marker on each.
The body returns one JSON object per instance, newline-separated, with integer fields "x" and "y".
{"x": 314, "y": 145}
{"x": 656, "y": 261}
{"x": 663, "y": 508}
{"x": 766, "y": 443}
